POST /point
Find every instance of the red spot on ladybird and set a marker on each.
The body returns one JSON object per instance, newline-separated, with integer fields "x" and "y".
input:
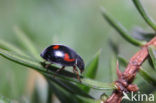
{"x": 56, "y": 47}
{"x": 66, "y": 58}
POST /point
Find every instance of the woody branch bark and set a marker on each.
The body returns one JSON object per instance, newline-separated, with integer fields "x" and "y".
{"x": 125, "y": 79}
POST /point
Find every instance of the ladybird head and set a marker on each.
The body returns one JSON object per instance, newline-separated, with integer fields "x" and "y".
{"x": 80, "y": 64}
{"x": 46, "y": 53}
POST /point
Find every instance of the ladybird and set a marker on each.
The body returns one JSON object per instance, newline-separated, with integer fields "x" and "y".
{"x": 64, "y": 56}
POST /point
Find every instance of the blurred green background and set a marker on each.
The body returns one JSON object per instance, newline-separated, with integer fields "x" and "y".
{"x": 76, "y": 23}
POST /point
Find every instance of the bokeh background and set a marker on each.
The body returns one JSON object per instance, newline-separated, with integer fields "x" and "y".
{"x": 76, "y": 23}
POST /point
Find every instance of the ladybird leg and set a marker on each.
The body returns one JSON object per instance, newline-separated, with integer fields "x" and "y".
{"x": 75, "y": 70}
{"x": 58, "y": 70}
{"x": 47, "y": 65}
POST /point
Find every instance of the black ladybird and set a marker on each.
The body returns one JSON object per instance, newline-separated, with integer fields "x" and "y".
{"x": 63, "y": 56}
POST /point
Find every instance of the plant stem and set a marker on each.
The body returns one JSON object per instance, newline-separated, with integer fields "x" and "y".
{"x": 144, "y": 14}
{"x": 130, "y": 72}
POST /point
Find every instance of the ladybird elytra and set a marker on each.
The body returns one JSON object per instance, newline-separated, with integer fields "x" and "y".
{"x": 63, "y": 56}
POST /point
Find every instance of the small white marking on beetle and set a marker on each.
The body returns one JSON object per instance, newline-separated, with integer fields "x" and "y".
{"x": 59, "y": 54}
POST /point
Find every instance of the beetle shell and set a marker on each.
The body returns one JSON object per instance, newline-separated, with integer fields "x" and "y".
{"x": 62, "y": 55}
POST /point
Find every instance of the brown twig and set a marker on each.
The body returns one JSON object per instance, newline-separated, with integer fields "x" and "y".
{"x": 125, "y": 79}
